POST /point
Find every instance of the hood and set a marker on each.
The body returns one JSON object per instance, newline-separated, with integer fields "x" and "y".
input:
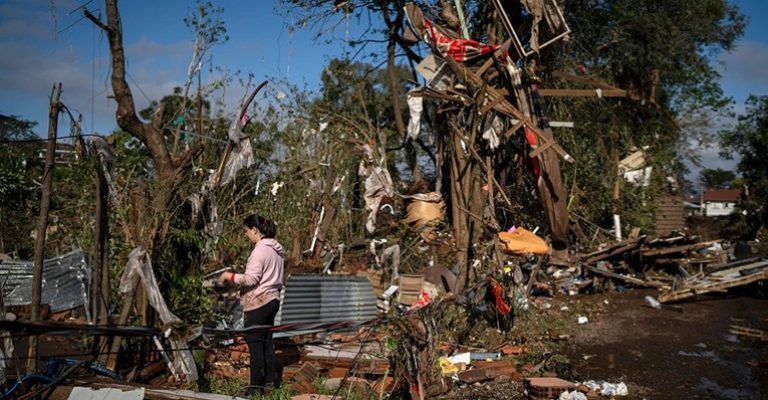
{"x": 272, "y": 243}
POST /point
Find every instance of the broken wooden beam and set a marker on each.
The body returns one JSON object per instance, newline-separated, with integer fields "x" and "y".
{"x": 625, "y": 278}
{"x": 709, "y": 287}
{"x": 677, "y": 249}
{"x": 613, "y": 250}
{"x": 749, "y": 332}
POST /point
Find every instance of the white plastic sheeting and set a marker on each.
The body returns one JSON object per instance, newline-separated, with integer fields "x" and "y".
{"x": 415, "y": 106}
{"x": 241, "y": 155}
{"x": 139, "y": 267}
{"x": 378, "y": 184}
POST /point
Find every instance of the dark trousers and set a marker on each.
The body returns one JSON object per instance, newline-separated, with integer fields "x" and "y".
{"x": 260, "y": 345}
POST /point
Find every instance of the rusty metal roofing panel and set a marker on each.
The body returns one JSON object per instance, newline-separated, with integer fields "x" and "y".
{"x": 65, "y": 281}
{"x": 326, "y": 298}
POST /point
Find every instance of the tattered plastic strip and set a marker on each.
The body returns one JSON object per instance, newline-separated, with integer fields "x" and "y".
{"x": 241, "y": 156}
{"x": 139, "y": 266}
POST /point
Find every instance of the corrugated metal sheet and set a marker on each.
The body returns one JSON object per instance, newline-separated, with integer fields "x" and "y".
{"x": 65, "y": 281}
{"x": 326, "y": 298}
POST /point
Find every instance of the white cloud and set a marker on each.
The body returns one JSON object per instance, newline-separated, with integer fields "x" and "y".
{"x": 744, "y": 72}
{"x": 747, "y": 63}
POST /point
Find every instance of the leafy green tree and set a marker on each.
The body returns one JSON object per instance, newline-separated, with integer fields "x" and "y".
{"x": 21, "y": 167}
{"x": 717, "y": 178}
{"x": 17, "y": 191}
{"x": 749, "y": 139}
{"x": 660, "y": 53}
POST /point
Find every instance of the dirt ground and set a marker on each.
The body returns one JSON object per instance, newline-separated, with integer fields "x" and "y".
{"x": 682, "y": 353}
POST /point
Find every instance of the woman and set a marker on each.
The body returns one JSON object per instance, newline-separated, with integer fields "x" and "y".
{"x": 260, "y": 287}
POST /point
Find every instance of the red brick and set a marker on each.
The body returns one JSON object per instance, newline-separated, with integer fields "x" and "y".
{"x": 337, "y": 372}
{"x": 307, "y": 396}
{"x": 388, "y": 382}
{"x": 512, "y": 350}
{"x": 474, "y": 375}
{"x": 494, "y": 364}
{"x": 304, "y": 379}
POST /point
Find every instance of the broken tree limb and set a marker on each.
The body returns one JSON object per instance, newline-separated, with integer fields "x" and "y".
{"x": 532, "y": 278}
{"x": 627, "y": 279}
{"x": 490, "y": 177}
{"x": 491, "y": 225}
{"x": 504, "y": 106}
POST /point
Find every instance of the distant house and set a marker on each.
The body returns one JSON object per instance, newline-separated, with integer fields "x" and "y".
{"x": 720, "y": 202}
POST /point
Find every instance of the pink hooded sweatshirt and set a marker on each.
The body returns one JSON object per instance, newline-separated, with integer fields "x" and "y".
{"x": 263, "y": 277}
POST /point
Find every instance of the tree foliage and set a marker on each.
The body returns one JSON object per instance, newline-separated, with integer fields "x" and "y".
{"x": 749, "y": 140}
{"x": 661, "y": 53}
{"x": 717, "y": 178}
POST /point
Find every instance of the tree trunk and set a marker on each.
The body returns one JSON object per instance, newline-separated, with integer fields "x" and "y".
{"x": 150, "y": 134}
{"x": 101, "y": 288}
{"x": 393, "y": 27}
{"x": 54, "y": 108}
{"x": 459, "y": 188}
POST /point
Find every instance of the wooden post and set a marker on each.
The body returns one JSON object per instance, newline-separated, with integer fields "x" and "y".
{"x": 100, "y": 290}
{"x": 458, "y": 205}
{"x": 54, "y": 107}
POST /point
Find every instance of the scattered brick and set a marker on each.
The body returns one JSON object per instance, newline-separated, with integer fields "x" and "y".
{"x": 474, "y": 375}
{"x": 304, "y": 379}
{"x": 338, "y": 372}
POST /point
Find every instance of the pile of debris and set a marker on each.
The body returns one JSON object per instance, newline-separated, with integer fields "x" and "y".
{"x": 681, "y": 266}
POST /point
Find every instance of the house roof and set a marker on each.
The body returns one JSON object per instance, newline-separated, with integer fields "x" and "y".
{"x": 722, "y": 195}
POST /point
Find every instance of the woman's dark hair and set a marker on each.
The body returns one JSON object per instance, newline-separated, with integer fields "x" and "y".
{"x": 265, "y": 226}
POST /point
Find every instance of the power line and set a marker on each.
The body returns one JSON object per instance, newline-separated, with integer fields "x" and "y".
{"x": 80, "y": 6}
{"x": 45, "y": 140}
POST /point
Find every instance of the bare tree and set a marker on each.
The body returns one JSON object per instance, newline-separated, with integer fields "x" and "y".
{"x": 168, "y": 169}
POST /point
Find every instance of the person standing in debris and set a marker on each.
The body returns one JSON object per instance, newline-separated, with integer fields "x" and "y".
{"x": 260, "y": 287}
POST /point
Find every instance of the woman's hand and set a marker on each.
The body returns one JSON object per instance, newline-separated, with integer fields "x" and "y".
{"x": 226, "y": 277}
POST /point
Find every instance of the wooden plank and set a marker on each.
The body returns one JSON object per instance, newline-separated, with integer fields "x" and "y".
{"x": 750, "y": 332}
{"x": 618, "y": 248}
{"x": 736, "y": 271}
{"x": 505, "y": 107}
{"x": 689, "y": 292}
{"x": 504, "y": 46}
{"x": 677, "y": 249}
{"x": 540, "y": 149}
{"x": 719, "y": 266}
{"x": 628, "y": 279}
{"x": 581, "y": 79}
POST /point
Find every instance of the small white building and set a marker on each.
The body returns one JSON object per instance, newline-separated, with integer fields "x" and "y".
{"x": 720, "y": 202}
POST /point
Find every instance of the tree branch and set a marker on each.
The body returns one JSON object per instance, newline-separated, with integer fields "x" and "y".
{"x": 94, "y": 19}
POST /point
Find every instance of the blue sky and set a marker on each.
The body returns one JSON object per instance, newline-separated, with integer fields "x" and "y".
{"x": 159, "y": 46}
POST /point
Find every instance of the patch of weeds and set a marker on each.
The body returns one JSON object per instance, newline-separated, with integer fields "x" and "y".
{"x": 284, "y": 392}
{"x": 234, "y": 386}
{"x": 345, "y": 392}
{"x": 540, "y": 330}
